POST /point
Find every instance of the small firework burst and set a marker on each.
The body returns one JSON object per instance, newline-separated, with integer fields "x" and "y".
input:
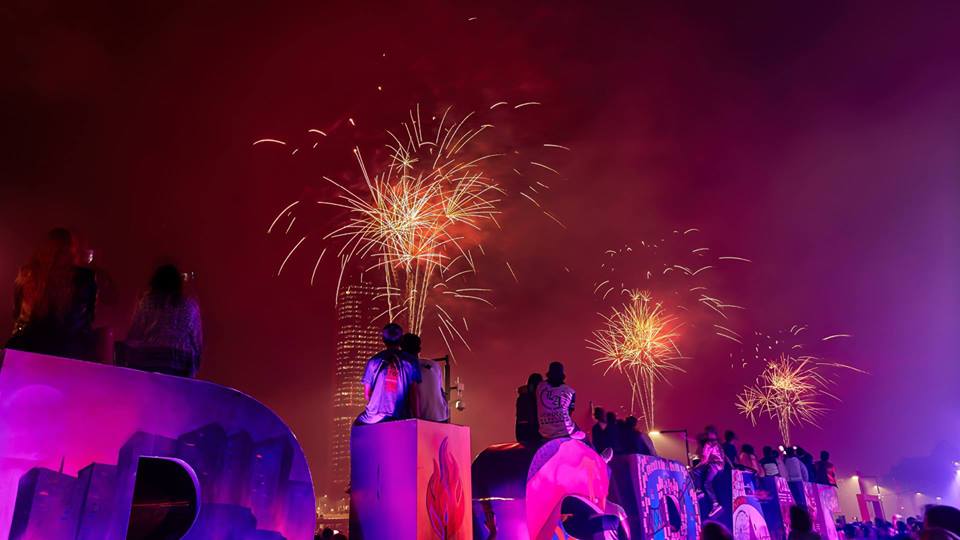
{"x": 638, "y": 340}
{"x": 790, "y": 390}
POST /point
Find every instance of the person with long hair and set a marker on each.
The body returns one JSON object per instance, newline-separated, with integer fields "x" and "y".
{"x": 166, "y": 335}
{"x": 55, "y": 301}
{"x": 527, "y": 427}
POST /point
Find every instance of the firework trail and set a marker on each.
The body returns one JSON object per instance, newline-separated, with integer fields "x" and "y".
{"x": 638, "y": 340}
{"x": 420, "y": 213}
{"x": 793, "y": 386}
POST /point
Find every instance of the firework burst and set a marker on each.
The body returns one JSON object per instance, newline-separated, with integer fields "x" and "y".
{"x": 639, "y": 341}
{"x": 793, "y": 387}
{"x": 418, "y": 216}
{"x": 415, "y": 217}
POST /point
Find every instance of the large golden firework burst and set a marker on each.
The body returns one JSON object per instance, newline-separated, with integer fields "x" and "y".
{"x": 639, "y": 341}
{"x": 415, "y": 215}
{"x": 421, "y": 211}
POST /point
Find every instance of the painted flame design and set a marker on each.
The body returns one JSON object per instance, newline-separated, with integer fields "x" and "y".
{"x": 445, "y": 504}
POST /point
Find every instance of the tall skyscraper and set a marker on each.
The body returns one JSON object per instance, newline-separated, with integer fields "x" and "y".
{"x": 358, "y": 338}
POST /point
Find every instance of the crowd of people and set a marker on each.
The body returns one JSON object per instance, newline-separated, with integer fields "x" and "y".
{"x": 55, "y": 303}
{"x": 792, "y": 463}
{"x": 938, "y": 523}
{"x": 544, "y": 410}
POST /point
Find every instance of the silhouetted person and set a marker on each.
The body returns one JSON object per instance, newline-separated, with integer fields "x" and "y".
{"x": 555, "y": 403}
{"x": 387, "y": 381}
{"x": 902, "y": 532}
{"x": 528, "y": 426}
{"x": 715, "y": 531}
{"x": 801, "y": 527}
{"x": 729, "y": 448}
{"x": 824, "y": 471}
{"x": 806, "y": 458}
{"x": 748, "y": 461}
{"x": 711, "y": 464}
{"x": 431, "y": 399}
{"x": 611, "y": 434}
{"x": 596, "y": 433}
{"x": 937, "y": 533}
{"x": 794, "y": 468}
{"x": 632, "y": 438}
{"x": 54, "y": 301}
{"x": 166, "y": 335}
{"x": 943, "y": 517}
{"x": 769, "y": 462}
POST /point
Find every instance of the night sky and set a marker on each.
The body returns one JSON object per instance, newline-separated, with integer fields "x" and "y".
{"x": 821, "y": 141}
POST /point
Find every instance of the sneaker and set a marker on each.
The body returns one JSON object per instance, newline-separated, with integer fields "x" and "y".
{"x": 715, "y": 510}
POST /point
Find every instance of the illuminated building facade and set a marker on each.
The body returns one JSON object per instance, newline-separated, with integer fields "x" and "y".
{"x": 358, "y": 338}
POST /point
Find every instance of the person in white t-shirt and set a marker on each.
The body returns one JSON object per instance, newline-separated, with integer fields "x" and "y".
{"x": 431, "y": 399}
{"x": 555, "y": 402}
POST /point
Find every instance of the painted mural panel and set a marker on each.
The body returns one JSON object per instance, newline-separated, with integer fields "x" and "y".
{"x": 410, "y": 480}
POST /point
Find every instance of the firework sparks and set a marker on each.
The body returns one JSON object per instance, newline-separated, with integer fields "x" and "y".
{"x": 418, "y": 214}
{"x": 415, "y": 216}
{"x": 638, "y": 340}
{"x": 791, "y": 389}
{"x": 678, "y": 269}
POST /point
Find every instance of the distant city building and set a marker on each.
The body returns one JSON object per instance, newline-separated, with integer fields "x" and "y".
{"x": 358, "y": 338}
{"x": 96, "y": 485}
{"x": 46, "y": 506}
{"x": 270, "y": 474}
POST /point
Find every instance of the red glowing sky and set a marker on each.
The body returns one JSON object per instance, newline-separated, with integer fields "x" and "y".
{"x": 821, "y": 142}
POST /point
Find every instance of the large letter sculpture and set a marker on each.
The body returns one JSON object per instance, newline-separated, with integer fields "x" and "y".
{"x": 71, "y": 438}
